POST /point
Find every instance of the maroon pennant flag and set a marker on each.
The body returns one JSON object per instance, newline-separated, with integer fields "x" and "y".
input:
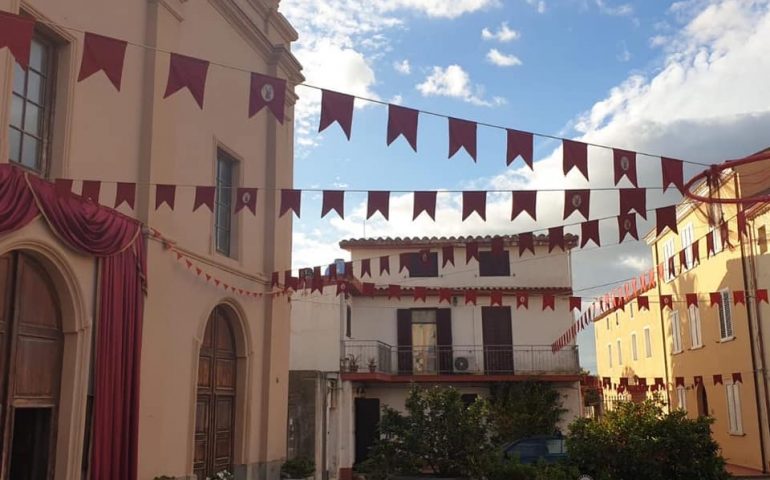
{"x": 187, "y": 72}
{"x": 549, "y": 301}
{"x": 333, "y": 200}
{"x": 420, "y": 293}
{"x": 620, "y": 303}
{"x": 318, "y": 281}
{"x": 762, "y": 295}
{"x": 519, "y": 144}
{"x": 385, "y": 264}
{"x": 522, "y": 300}
{"x": 659, "y": 381}
{"x": 606, "y": 382}
{"x": 165, "y": 194}
{"x": 188, "y": 263}
{"x": 633, "y": 199}
{"x": 367, "y": 288}
{"x": 575, "y": 303}
{"x": 103, "y": 53}
{"x": 625, "y": 165}
{"x": 671, "y": 266}
{"x": 448, "y": 255}
{"x": 498, "y": 245}
{"x": 90, "y": 190}
{"x": 627, "y": 226}
{"x": 724, "y": 230}
{"x": 246, "y": 197}
{"x": 444, "y": 294}
{"x": 666, "y": 301}
{"x": 332, "y": 269}
{"x": 424, "y": 202}
{"x": 679, "y": 381}
{"x": 683, "y": 258}
{"x": 470, "y": 297}
{"x": 577, "y": 200}
{"x": 526, "y": 242}
{"x": 743, "y": 227}
{"x": 739, "y": 297}
{"x": 710, "y": 244}
{"x": 589, "y": 231}
{"x": 643, "y": 302}
{"x": 290, "y": 200}
{"x": 266, "y": 91}
{"x": 126, "y": 192}
{"x": 198, "y": 271}
{"x": 366, "y": 267}
{"x": 402, "y": 121}
{"x": 378, "y": 201}
{"x": 286, "y": 279}
{"x": 624, "y": 381}
{"x": 475, "y": 202}
{"x": 471, "y": 251}
{"x": 555, "y": 238}
{"x": 575, "y": 154}
{"x": 403, "y": 261}
{"x": 666, "y": 217}
{"x": 16, "y": 34}
{"x": 274, "y": 280}
{"x": 336, "y": 107}
{"x": 524, "y": 201}
{"x": 394, "y": 291}
{"x": 673, "y": 173}
{"x": 692, "y": 300}
{"x": 462, "y": 133}
{"x": 718, "y": 379}
{"x": 204, "y": 196}
{"x": 716, "y": 298}
{"x": 349, "y": 269}
{"x": 697, "y": 379}
{"x": 737, "y": 377}
{"x": 496, "y": 298}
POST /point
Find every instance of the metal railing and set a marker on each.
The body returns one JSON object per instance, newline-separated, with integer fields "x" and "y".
{"x": 375, "y": 356}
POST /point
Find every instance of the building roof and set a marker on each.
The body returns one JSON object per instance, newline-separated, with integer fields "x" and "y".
{"x": 569, "y": 240}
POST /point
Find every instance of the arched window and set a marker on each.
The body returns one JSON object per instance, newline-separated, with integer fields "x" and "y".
{"x": 215, "y": 406}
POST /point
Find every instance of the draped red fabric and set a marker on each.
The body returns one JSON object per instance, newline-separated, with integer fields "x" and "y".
{"x": 17, "y": 205}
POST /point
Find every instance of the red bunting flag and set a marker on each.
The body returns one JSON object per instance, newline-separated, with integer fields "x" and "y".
{"x": 577, "y": 200}
{"x": 697, "y": 379}
{"x": 332, "y": 271}
{"x": 762, "y": 295}
{"x": 718, "y": 379}
{"x": 470, "y": 297}
{"x": 424, "y": 202}
{"x": 524, "y": 201}
{"x": 737, "y": 377}
{"x": 16, "y": 34}
{"x": 187, "y": 72}
{"x": 274, "y": 280}
{"x": 394, "y": 291}
{"x": 266, "y": 91}
{"x": 498, "y": 245}
{"x": 290, "y": 200}
{"x": 349, "y": 270}
{"x": 549, "y": 301}
{"x": 126, "y": 192}
{"x": 625, "y": 165}
{"x": 471, "y": 251}
{"x": 724, "y": 234}
{"x": 188, "y": 263}
{"x": 643, "y": 302}
{"x": 165, "y": 194}
{"x": 496, "y": 298}
{"x": 444, "y": 294}
{"x": 475, "y": 201}
{"x": 589, "y": 231}
{"x": 526, "y": 242}
{"x": 692, "y": 300}
{"x": 91, "y": 189}
{"x": 333, "y": 200}
{"x": 627, "y": 226}
{"x": 620, "y": 303}
{"x": 448, "y": 255}
{"x": 555, "y": 238}
{"x": 246, "y": 197}
{"x": 103, "y": 53}
{"x": 710, "y": 244}
{"x": 366, "y": 267}
{"x": 404, "y": 259}
{"x": 633, "y": 199}
{"x": 671, "y": 266}
{"x": 673, "y": 173}
{"x": 716, "y": 298}
{"x": 519, "y": 144}
{"x": 204, "y": 196}
{"x": 336, "y": 107}
{"x": 575, "y": 303}
{"x": 378, "y": 201}
{"x": 665, "y": 217}
{"x": 683, "y": 259}
{"x": 420, "y": 293}
{"x": 666, "y": 301}
{"x": 462, "y": 133}
{"x": 522, "y": 300}
{"x": 743, "y": 227}
{"x": 679, "y": 381}
{"x": 286, "y": 279}
{"x": 575, "y": 155}
{"x": 402, "y": 121}
{"x": 739, "y": 297}
{"x": 367, "y": 288}
{"x": 385, "y": 264}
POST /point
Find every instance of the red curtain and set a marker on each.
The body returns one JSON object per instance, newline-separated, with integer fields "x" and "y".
{"x": 116, "y": 239}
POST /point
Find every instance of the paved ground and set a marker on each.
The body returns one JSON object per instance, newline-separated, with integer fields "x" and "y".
{"x": 743, "y": 472}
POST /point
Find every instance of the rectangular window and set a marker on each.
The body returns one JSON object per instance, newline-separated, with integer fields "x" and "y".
{"x": 725, "y": 316}
{"x": 494, "y": 265}
{"x": 223, "y": 219}
{"x": 686, "y": 239}
{"x": 676, "y": 332}
{"x": 423, "y": 264}
{"x": 32, "y": 106}
{"x": 668, "y": 252}
{"x": 620, "y": 353}
{"x": 630, "y": 307}
{"x": 762, "y": 239}
{"x": 634, "y": 353}
{"x": 609, "y": 353}
{"x": 681, "y": 398}
{"x": 647, "y": 343}
{"x": 734, "y": 408}
{"x": 607, "y": 321}
{"x": 717, "y": 234}
{"x": 348, "y": 322}
{"x": 693, "y": 315}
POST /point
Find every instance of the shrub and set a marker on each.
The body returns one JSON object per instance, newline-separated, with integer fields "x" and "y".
{"x": 523, "y": 409}
{"x": 299, "y": 467}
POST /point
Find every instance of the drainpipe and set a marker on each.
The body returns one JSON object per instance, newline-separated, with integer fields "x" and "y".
{"x": 662, "y": 328}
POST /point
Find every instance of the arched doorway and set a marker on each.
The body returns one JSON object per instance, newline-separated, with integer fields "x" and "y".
{"x": 702, "y": 399}
{"x": 31, "y": 346}
{"x": 215, "y": 405}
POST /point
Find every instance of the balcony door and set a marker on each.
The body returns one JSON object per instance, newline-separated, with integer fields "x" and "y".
{"x": 424, "y": 341}
{"x": 497, "y": 334}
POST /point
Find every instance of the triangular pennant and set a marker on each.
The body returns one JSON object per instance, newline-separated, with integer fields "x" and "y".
{"x": 274, "y": 280}
{"x": 332, "y": 271}
{"x": 589, "y": 231}
{"x": 16, "y": 33}
{"x": 519, "y": 144}
{"x": 673, "y": 173}
{"x": 633, "y": 199}
{"x": 762, "y": 295}
{"x": 266, "y": 91}
{"x": 475, "y": 201}
{"x": 336, "y": 107}
{"x": 91, "y": 189}
{"x": 187, "y": 72}
{"x": 737, "y": 377}
{"x": 462, "y": 133}
{"x": 126, "y": 192}
{"x": 404, "y": 261}
{"x": 424, "y": 202}
{"x": 549, "y": 301}
{"x": 62, "y": 186}
{"x": 103, "y": 53}
{"x": 666, "y": 301}
{"x": 420, "y": 293}
{"x": 692, "y": 299}
{"x": 522, "y": 300}
{"x": 378, "y": 201}
{"x": 204, "y": 196}
{"x": 717, "y": 379}
{"x": 643, "y": 302}
{"x": 497, "y": 245}
{"x": 286, "y": 279}
{"x": 524, "y": 201}
{"x": 710, "y": 244}
{"x": 471, "y": 251}
{"x": 366, "y": 267}
{"x": 385, "y": 264}
{"x": 625, "y": 165}
{"x": 739, "y": 297}
{"x": 526, "y": 242}
{"x": 575, "y": 155}
{"x": 317, "y": 282}
{"x": 290, "y": 200}
{"x": 444, "y": 294}
{"x": 575, "y": 303}
{"x": 165, "y": 194}
{"x": 470, "y": 297}
{"x": 683, "y": 259}
{"x": 555, "y": 238}
{"x": 208, "y": 277}
{"x": 496, "y": 298}
{"x": 627, "y": 226}
{"x": 724, "y": 235}
{"x": 665, "y": 217}
{"x": 349, "y": 270}
{"x": 577, "y": 200}
{"x": 394, "y": 291}
{"x": 402, "y": 121}
{"x": 246, "y": 197}
{"x": 715, "y": 298}
{"x": 695, "y": 252}
{"x": 447, "y": 255}
{"x": 333, "y": 200}
{"x": 743, "y": 227}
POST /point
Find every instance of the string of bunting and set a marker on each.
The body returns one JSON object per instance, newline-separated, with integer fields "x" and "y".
{"x": 106, "y": 54}
{"x": 641, "y": 384}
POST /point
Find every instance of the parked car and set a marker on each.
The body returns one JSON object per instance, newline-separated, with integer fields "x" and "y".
{"x": 548, "y": 448}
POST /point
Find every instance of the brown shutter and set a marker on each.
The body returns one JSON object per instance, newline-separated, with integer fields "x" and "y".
{"x": 444, "y": 339}
{"x": 498, "y": 339}
{"x": 404, "y": 338}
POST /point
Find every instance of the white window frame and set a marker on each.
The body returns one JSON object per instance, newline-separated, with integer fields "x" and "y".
{"x": 676, "y": 331}
{"x": 668, "y": 252}
{"x": 696, "y": 333}
{"x": 734, "y": 410}
{"x": 681, "y": 398}
{"x": 686, "y": 239}
{"x": 726, "y": 326}
{"x": 716, "y": 234}
{"x": 630, "y": 307}
{"x": 647, "y": 342}
{"x": 609, "y": 353}
{"x": 620, "y": 353}
{"x": 634, "y": 348}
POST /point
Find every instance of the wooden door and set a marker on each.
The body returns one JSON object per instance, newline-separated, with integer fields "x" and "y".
{"x": 498, "y": 339}
{"x": 215, "y": 406}
{"x": 367, "y": 418}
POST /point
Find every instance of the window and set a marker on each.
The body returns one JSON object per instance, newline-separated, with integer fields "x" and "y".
{"x": 693, "y": 315}
{"x": 686, "y": 238}
{"x": 734, "y": 408}
{"x": 762, "y": 239}
{"x": 647, "y": 342}
{"x": 681, "y": 398}
{"x": 676, "y": 332}
{"x": 717, "y": 235}
{"x": 223, "y": 220}
{"x": 423, "y": 264}
{"x": 668, "y": 252}
{"x": 716, "y": 217}
{"x": 725, "y": 316}
{"x": 32, "y": 105}
{"x": 607, "y": 321}
{"x": 620, "y": 354}
{"x": 348, "y": 322}
{"x": 634, "y": 353}
{"x": 494, "y": 265}
{"x": 617, "y": 319}
{"x": 609, "y": 353}
{"x": 630, "y": 310}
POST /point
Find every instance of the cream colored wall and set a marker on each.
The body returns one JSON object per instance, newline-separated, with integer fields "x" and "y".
{"x": 316, "y": 331}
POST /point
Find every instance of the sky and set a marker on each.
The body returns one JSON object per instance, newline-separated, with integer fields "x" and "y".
{"x": 684, "y": 79}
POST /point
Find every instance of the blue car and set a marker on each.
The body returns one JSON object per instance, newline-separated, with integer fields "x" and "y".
{"x": 529, "y": 450}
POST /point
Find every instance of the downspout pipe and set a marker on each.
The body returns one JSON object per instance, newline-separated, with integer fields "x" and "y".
{"x": 662, "y": 327}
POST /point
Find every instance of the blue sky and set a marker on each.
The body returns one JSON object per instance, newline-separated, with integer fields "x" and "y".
{"x": 677, "y": 78}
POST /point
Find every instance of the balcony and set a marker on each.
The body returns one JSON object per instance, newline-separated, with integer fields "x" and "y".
{"x": 378, "y": 361}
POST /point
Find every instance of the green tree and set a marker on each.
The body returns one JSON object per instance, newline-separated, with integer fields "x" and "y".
{"x": 523, "y": 409}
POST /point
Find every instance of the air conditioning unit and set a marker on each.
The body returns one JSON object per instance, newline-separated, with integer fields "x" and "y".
{"x": 463, "y": 362}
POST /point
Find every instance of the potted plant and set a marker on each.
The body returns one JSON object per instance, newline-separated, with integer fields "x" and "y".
{"x": 222, "y": 475}
{"x": 352, "y": 363}
{"x": 372, "y": 364}
{"x": 299, "y": 468}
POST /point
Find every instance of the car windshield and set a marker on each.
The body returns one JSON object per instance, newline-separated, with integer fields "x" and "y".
{"x": 536, "y": 447}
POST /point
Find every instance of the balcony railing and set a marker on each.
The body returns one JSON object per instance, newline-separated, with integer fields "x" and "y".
{"x": 375, "y": 356}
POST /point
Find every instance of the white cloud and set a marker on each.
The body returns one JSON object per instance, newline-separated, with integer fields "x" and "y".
{"x": 538, "y": 4}
{"x": 658, "y": 41}
{"x": 436, "y": 8}
{"x": 396, "y": 100}
{"x": 502, "y": 60}
{"x": 455, "y": 82}
{"x": 622, "y": 10}
{"x": 403, "y": 67}
{"x": 624, "y": 55}
{"x": 503, "y": 34}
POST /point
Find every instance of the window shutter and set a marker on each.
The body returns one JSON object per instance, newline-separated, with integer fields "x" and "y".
{"x": 404, "y": 338}
{"x": 444, "y": 339}
{"x": 727, "y": 313}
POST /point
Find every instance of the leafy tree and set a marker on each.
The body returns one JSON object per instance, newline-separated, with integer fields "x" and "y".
{"x": 523, "y": 409}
